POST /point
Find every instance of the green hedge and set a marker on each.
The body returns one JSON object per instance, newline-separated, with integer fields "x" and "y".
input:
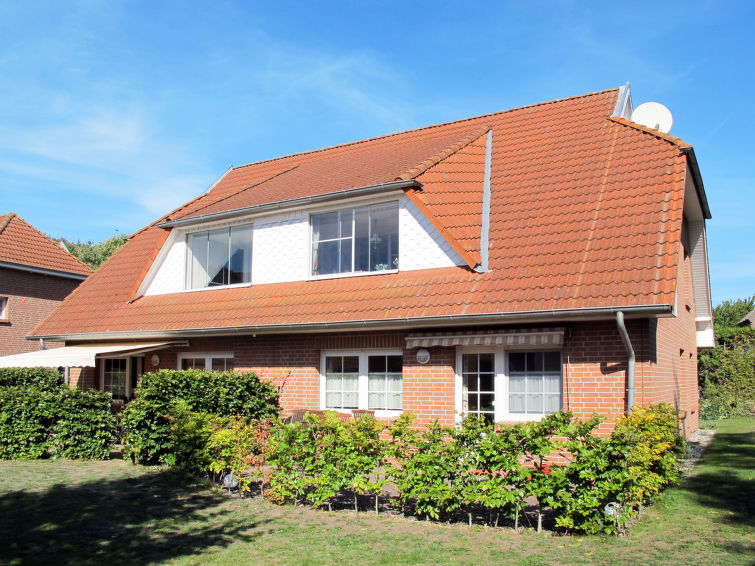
{"x": 45, "y": 379}
{"x": 172, "y": 417}
{"x": 439, "y": 472}
{"x": 36, "y": 423}
{"x": 27, "y": 415}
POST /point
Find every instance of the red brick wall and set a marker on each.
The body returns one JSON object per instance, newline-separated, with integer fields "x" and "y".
{"x": 83, "y": 378}
{"x": 31, "y": 297}
{"x": 594, "y": 366}
{"x": 672, "y": 376}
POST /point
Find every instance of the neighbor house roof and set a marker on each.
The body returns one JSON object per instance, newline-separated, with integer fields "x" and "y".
{"x": 748, "y": 319}
{"x": 585, "y": 215}
{"x": 23, "y": 246}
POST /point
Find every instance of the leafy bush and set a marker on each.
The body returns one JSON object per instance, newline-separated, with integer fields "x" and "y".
{"x": 442, "y": 470}
{"x": 45, "y": 379}
{"x": 727, "y": 375}
{"x": 64, "y": 423}
{"x": 85, "y": 425}
{"x": 27, "y": 415}
{"x": 610, "y": 477}
{"x": 175, "y": 413}
{"x": 235, "y": 445}
{"x": 221, "y": 393}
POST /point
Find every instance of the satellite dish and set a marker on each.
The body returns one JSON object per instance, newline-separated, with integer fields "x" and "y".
{"x": 653, "y": 115}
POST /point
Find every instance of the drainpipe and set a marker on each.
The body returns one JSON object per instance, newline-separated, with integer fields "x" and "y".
{"x": 630, "y": 360}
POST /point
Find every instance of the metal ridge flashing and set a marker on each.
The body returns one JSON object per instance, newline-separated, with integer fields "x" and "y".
{"x": 292, "y": 203}
{"x": 552, "y": 315}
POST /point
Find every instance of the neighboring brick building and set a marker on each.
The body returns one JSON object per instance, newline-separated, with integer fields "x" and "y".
{"x": 36, "y": 274}
{"x": 504, "y": 265}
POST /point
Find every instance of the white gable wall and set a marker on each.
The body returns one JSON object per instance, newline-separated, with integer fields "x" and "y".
{"x": 280, "y": 249}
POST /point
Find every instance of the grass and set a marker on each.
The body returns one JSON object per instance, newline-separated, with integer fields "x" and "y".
{"x": 67, "y": 512}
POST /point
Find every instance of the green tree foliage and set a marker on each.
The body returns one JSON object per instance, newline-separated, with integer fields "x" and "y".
{"x": 727, "y": 372}
{"x": 729, "y": 313}
{"x": 93, "y": 254}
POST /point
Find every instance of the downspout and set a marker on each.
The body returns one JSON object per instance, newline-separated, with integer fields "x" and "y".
{"x": 630, "y": 361}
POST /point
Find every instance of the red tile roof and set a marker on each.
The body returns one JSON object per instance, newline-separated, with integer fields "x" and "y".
{"x": 21, "y": 243}
{"x": 586, "y": 213}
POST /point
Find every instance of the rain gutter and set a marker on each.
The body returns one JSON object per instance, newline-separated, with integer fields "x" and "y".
{"x": 529, "y": 317}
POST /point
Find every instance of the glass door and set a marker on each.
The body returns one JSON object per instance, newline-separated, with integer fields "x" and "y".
{"x": 478, "y": 385}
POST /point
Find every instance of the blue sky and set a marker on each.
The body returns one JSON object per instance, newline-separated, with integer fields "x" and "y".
{"x": 112, "y": 113}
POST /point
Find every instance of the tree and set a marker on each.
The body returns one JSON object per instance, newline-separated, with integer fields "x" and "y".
{"x": 729, "y": 313}
{"x": 727, "y": 372}
{"x": 92, "y": 254}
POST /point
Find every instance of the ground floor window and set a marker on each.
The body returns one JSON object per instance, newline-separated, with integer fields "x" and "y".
{"x": 362, "y": 380}
{"x": 500, "y": 385}
{"x": 534, "y": 382}
{"x": 218, "y": 361}
{"x": 115, "y": 377}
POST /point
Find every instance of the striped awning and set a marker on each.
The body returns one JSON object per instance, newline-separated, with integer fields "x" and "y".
{"x": 538, "y": 337}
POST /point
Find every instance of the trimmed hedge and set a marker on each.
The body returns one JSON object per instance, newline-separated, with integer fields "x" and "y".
{"x": 45, "y": 379}
{"x": 70, "y": 423}
{"x": 440, "y": 471}
{"x": 171, "y": 420}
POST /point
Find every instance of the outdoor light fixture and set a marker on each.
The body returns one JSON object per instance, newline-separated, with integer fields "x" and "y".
{"x": 423, "y": 356}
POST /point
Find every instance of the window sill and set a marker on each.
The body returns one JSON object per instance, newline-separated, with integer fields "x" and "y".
{"x": 379, "y": 413}
{"x": 353, "y": 274}
{"x": 216, "y": 288}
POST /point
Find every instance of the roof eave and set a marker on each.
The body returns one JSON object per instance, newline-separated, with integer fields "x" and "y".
{"x": 695, "y": 169}
{"x": 561, "y": 315}
{"x": 43, "y": 270}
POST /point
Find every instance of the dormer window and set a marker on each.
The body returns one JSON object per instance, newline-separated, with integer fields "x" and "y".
{"x": 219, "y": 257}
{"x": 355, "y": 240}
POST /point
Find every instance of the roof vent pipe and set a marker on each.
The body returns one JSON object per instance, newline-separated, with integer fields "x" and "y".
{"x": 630, "y": 361}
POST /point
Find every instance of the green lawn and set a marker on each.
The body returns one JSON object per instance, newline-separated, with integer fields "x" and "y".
{"x": 117, "y": 514}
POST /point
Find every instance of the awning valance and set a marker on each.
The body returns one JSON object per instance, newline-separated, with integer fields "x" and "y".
{"x": 540, "y": 337}
{"x": 80, "y": 356}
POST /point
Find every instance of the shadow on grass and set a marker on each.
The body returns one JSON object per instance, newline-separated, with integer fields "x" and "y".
{"x": 126, "y": 522}
{"x": 723, "y": 488}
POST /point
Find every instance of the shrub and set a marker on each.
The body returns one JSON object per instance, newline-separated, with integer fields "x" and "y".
{"x": 65, "y": 423}
{"x": 175, "y": 412}
{"x": 727, "y": 374}
{"x": 85, "y": 426}
{"x": 26, "y": 418}
{"x": 222, "y": 393}
{"x": 235, "y": 445}
{"x": 147, "y": 433}
{"x": 45, "y": 379}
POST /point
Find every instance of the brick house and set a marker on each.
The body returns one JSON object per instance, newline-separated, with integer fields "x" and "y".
{"x": 36, "y": 274}
{"x": 509, "y": 265}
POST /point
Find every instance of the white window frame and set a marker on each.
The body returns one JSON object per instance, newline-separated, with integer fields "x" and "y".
{"x": 501, "y": 381}
{"x": 210, "y": 228}
{"x": 353, "y": 207}
{"x": 208, "y": 357}
{"x": 3, "y": 308}
{"x": 127, "y": 389}
{"x": 363, "y": 403}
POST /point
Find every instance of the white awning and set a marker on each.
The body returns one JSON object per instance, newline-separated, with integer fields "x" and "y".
{"x": 541, "y": 337}
{"x": 79, "y": 356}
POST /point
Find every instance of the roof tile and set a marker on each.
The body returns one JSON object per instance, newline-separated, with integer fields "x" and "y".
{"x": 585, "y": 212}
